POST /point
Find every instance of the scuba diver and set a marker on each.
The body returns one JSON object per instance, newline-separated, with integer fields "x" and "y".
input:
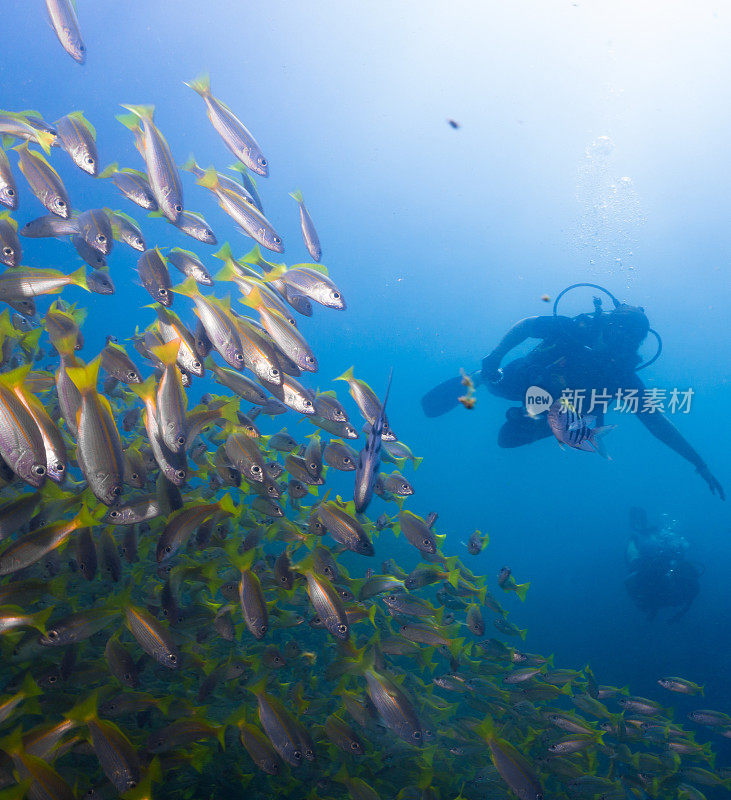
{"x": 595, "y": 351}
{"x": 660, "y": 574}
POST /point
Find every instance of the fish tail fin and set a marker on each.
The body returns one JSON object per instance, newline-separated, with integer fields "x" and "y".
{"x": 521, "y": 589}
{"x": 297, "y": 195}
{"x": 456, "y": 646}
{"x": 153, "y": 774}
{"x": 242, "y": 561}
{"x": 45, "y": 139}
{"x": 168, "y": 352}
{"x": 109, "y": 170}
{"x": 253, "y": 299}
{"x": 254, "y": 255}
{"x": 6, "y": 216}
{"x": 85, "y": 709}
{"x": 40, "y": 618}
{"x": 85, "y": 377}
{"x": 188, "y": 287}
{"x": 274, "y": 274}
{"x": 224, "y": 254}
{"x": 131, "y": 121}
{"x": 201, "y": 84}
{"x": 146, "y": 390}
{"x": 346, "y": 376}
{"x": 522, "y": 632}
{"x": 226, "y": 504}
{"x": 78, "y": 278}
{"x": 258, "y": 686}
{"x": 190, "y": 165}
{"x": 486, "y": 729}
{"x": 15, "y": 378}
{"x": 143, "y": 112}
{"x": 84, "y": 518}
{"x": 209, "y": 180}
{"x": 417, "y": 460}
{"x": 453, "y": 577}
{"x": 29, "y": 341}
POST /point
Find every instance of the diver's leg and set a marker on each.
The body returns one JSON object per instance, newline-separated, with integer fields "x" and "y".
{"x": 520, "y": 429}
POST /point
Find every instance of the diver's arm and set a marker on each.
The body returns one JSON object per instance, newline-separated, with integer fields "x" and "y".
{"x": 528, "y": 328}
{"x": 661, "y": 428}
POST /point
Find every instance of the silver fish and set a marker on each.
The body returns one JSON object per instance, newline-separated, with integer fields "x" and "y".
{"x": 230, "y": 128}
{"x": 66, "y": 25}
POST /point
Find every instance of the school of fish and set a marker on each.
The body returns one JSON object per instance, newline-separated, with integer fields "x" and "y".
{"x": 185, "y": 609}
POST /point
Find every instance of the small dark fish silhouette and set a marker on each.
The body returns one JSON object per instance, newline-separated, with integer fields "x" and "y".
{"x": 453, "y": 124}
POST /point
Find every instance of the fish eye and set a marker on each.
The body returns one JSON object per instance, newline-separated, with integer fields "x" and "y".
{"x": 82, "y": 48}
{"x": 53, "y": 634}
{"x": 8, "y": 251}
{"x": 101, "y": 238}
{"x": 262, "y": 629}
{"x": 88, "y": 160}
{"x": 416, "y": 735}
{"x": 208, "y": 232}
{"x": 52, "y": 678}
{"x": 116, "y": 491}
{"x": 60, "y": 202}
{"x": 39, "y": 470}
{"x": 180, "y": 440}
{"x": 262, "y": 161}
{"x": 426, "y": 542}
{"x": 11, "y": 193}
{"x": 346, "y": 460}
{"x": 114, "y": 514}
{"x": 168, "y": 548}
{"x": 336, "y": 295}
{"x": 256, "y": 469}
{"x": 297, "y": 754}
{"x": 177, "y": 208}
{"x": 172, "y": 658}
{"x": 342, "y": 628}
{"x": 131, "y": 375}
{"x": 196, "y": 365}
{"x": 354, "y": 745}
{"x": 162, "y": 292}
{"x": 180, "y": 474}
{"x": 239, "y": 356}
{"x": 308, "y": 404}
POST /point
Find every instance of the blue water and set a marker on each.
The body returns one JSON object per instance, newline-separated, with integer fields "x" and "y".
{"x": 440, "y": 239}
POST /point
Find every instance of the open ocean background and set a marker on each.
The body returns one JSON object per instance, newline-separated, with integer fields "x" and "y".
{"x": 440, "y": 239}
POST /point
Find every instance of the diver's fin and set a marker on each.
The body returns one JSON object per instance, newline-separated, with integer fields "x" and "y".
{"x": 444, "y": 398}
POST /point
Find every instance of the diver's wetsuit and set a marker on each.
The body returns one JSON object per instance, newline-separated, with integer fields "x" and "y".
{"x": 573, "y": 356}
